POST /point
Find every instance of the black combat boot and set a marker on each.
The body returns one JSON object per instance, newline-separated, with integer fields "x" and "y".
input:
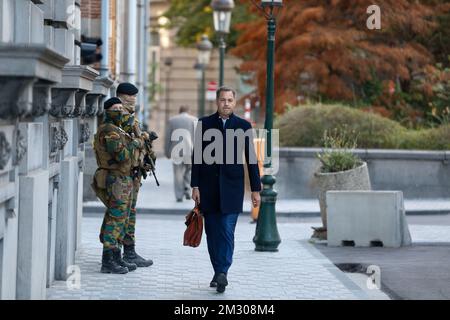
{"x": 118, "y": 258}
{"x": 130, "y": 256}
{"x": 109, "y": 265}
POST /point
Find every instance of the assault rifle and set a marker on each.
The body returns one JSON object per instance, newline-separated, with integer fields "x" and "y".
{"x": 148, "y": 161}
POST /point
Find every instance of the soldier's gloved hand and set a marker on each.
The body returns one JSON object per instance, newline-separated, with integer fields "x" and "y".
{"x": 136, "y": 143}
{"x": 145, "y": 136}
{"x": 148, "y": 167}
{"x": 152, "y": 155}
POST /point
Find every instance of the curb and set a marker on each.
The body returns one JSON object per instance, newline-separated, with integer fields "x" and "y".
{"x": 300, "y": 214}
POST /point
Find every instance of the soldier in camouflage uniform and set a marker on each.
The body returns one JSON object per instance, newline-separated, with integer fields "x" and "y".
{"x": 127, "y": 93}
{"x": 113, "y": 183}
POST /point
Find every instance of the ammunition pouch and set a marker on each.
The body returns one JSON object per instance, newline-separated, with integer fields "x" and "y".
{"x": 100, "y": 178}
{"x": 99, "y": 185}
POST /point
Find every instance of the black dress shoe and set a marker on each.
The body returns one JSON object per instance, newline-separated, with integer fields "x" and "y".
{"x": 222, "y": 282}
{"x": 213, "y": 283}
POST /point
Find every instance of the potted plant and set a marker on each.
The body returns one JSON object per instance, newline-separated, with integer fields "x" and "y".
{"x": 340, "y": 169}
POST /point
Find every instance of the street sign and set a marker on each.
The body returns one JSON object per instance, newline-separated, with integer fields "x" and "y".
{"x": 248, "y": 110}
{"x": 211, "y": 91}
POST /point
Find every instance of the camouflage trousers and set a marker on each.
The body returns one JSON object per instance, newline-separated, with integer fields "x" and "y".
{"x": 119, "y": 190}
{"x": 130, "y": 226}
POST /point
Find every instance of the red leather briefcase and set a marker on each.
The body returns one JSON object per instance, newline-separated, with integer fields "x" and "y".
{"x": 194, "y": 230}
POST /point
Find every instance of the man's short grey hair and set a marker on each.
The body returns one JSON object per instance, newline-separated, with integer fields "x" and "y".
{"x": 184, "y": 108}
{"x": 225, "y": 89}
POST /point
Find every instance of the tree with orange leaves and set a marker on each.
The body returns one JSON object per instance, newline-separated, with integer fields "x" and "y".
{"x": 325, "y": 51}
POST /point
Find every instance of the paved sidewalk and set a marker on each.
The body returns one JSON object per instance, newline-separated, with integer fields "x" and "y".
{"x": 297, "y": 271}
{"x": 153, "y": 199}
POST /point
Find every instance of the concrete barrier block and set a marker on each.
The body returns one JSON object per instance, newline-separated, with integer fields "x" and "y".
{"x": 367, "y": 218}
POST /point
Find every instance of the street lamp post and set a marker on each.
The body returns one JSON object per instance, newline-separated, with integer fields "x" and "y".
{"x": 204, "y": 48}
{"x": 222, "y": 21}
{"x": 267, "y": 237}
{"x": 168, "y": 63}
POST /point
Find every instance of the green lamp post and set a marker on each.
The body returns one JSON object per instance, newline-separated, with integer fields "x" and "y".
{"x": 222, "y": 20}
{"x": 266, "y": 236}
{"x": 204, "y": 48}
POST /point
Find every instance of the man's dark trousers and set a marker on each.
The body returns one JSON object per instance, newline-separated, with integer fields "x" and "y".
{"x": 219, "y": 230}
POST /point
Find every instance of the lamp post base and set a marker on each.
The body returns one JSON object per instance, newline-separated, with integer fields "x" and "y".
{"x": 266, "y": 236}
{"x": 268, "y": 248}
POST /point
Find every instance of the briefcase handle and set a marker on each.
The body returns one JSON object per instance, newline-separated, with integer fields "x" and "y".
{"x": 197, "y": 210}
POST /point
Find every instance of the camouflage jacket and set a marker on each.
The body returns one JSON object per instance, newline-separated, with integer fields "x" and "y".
{"x": 114, "y": 148}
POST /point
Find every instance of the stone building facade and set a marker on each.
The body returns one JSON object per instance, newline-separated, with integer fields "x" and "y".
{"x": 50, "y": 106}
{"x": 179, "y": 82}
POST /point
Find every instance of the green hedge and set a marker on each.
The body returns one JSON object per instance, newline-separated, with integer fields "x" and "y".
{"x": 304, "y": 126}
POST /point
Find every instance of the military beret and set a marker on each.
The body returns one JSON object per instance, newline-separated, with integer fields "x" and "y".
{"x": 110, "y": 102}
{"x": 127, "y": 88}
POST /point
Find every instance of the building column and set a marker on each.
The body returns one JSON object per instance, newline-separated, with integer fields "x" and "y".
{"x": 69, "y": 106}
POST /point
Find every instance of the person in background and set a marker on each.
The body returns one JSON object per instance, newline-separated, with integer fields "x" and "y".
{"x": 181, "y": 162}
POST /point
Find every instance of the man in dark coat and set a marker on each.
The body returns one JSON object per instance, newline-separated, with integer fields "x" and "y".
{"x": 218, "y": 184}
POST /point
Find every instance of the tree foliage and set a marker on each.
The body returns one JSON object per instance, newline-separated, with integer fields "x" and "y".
{"x": 324, "y": 50}
{"x": 195, "y": 18}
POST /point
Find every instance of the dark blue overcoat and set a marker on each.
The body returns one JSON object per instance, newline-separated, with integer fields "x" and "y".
{"x": 221, "y": 185}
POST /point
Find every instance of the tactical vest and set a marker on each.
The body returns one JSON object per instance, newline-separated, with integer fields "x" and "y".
{"x": 104, "y": 159}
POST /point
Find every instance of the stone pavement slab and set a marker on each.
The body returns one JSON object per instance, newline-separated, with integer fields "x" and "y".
{"x": 297, "y": 271}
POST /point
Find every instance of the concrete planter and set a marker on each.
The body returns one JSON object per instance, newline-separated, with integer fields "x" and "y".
{"x": 355, "y": 179}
